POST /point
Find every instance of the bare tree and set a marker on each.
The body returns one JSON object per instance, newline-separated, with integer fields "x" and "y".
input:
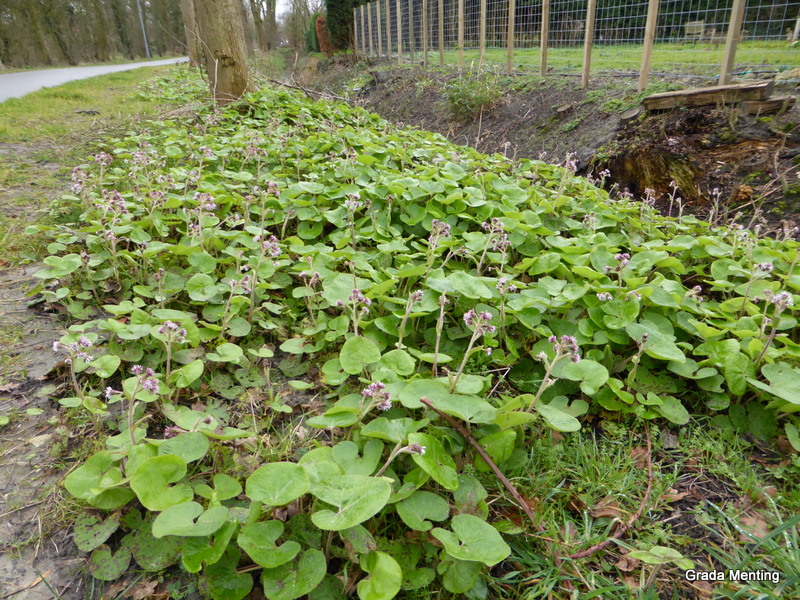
{"x": 190, "y": 31}
{"x": 222, "y": 38}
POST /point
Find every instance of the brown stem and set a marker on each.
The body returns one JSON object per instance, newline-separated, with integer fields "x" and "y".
{"x": 495, "y": 469}
{"x": 621, "y": 531}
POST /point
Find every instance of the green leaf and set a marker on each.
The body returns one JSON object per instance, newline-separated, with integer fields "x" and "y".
{"x": 591, "y": 374}
{"x": 346, "y": 455}
{"x": 99, "y": 481}
{"x": 473, "y": 539}
{"x": 292, "y": 580}
{"x": 258, "y": 540}
{"x": 224, "y": 583}
{"x": 89, "y": 532}
{"x": 385, "y": 578}
{"x": 557, "y": 418}
{"x": 394, "y": 430}
{"x": 398, "y": 361}
{"x": 420, "y": 506}
{"x": 106, "y": 566}
{"x": 190, "y": 446}
{"x": 672, "y": 410}
{"x": 660, "y": 555}
{"x": 202, "y": 549}
{"x": 356, "y": 498}
{"x": 201, "y": 287}
{"x": 277, "y": 484}
{"x": 658, "y": 345}
{"x": 226, "y": 352}
{"x": 151, "y": 482}
{"x": 784, "y": 381}
{"x": 105, "y": 366}
{"x": 187, "y": 374}
{"x": 436, "y": 462}
{"x": 189, "y": 520}
{"x": 357, "y": 353}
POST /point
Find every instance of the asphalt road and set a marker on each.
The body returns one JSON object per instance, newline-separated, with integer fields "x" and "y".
{"x": 16, "y": 85}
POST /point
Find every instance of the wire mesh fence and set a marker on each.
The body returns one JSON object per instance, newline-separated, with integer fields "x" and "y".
{"x": 689, "y": 37}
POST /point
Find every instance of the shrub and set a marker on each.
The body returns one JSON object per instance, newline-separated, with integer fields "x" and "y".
{"x": 324, "y": 37}
{"x": 467, "y": 96}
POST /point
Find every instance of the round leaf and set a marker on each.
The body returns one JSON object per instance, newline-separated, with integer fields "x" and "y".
{"x": 277, "y": 484}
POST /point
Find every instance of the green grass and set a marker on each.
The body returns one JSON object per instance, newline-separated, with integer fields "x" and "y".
{"x": 667, "y": 58}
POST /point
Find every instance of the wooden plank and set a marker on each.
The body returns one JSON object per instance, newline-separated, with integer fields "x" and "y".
{"x": 649, "y": 40}
{"x": 482, "y": 34}
{"x": 412, "y": 42}
{"x": 545, "y": 37}
{"x": 771, "y": 105}
{"x": 369, "y": 25}
{"x": 424, "y": 32}
{"x": 512, "y": 13}
{"x": 727, "y": 94}
{"x": 389, "y": 29}
{"x": 588, "y": 39}
{"x": 441, "y": 33}
{"x": 460, "y": 34}
{"x": 399, "y": 33}
{"x": 734, "y": 30}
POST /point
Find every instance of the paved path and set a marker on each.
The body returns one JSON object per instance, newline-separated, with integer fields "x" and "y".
{"x": 15, "y": 85}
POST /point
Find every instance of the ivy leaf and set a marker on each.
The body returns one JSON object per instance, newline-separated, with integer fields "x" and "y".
{"x": 356, "y": 497}
{"x": 385, "y": 578}
{"x": 357, "y": 353}
{"x": 277, "y": 484}
{"x": 473, "y": 539}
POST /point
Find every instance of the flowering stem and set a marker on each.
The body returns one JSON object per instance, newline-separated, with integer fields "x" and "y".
{"x": 439, "y": 328}
{"x": 392, "y": 455}
{"x": 475, "y": 335}
{"x": 546, "y": 381}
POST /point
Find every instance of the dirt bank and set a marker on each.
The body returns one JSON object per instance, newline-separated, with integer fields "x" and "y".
{"x": 752, "y": 161}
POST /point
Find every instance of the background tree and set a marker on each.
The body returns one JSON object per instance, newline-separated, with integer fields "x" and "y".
{"x": 340, "y": 22}
{"x": 222, "y": 38}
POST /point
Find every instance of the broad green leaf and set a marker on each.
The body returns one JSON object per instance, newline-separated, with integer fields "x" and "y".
{"x": 189, "y": 520}
{"x": 356, "y": 498}
{"x": 187, "y": 374}
{"x": 105, "y": 366}
{"x": 557, "y": 418}
{"x": 151, "y": 482}
{"x": 391, "y": 430}
{"x": 784, "y": 381}
{"x": 385, "y": 578}
{"x": 357, "y": 353}
{"x": 259, "y": 541}
{"x": 106, "y": 566}
{"x": 201, "y": 287}
{"x": 89, "y": 532}
{"x": 197, "y": 550}
{"x": 346, "y": 455}
{"x": 420, "y": 506}
{"x": 190, "y": 446}
{"x": 398, "y": 361}
{"x": 226, "y": 352}
{"x": 591, "y": 374}
{"x": 436, "y": 462}
{"x": 224, "y": 582}
{"x": 277, "y": 484}
{"x": 473, "y": 539}
{"x": 294, "y": 579}
{"x": 99, "y": 481}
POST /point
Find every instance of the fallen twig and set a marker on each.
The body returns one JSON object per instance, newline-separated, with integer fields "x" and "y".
{"x": 495, "y": 469}
{"x": 306, "y": 91}
{"x": 622, "y": 530}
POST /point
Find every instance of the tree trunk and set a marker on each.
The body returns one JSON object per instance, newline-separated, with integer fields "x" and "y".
{"x": 121, "y": 24}
{"x": 248, "y": 40}
{"x": 101, "y": 39}
{"x": 190, "y": 30}
{"x": 258, "y": 23}
{"x": 222, "y": 37}
{"x": 271, "y": 25}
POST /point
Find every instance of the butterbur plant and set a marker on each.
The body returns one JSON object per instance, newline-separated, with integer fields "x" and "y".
{"x": 170, "y": 334}
{"x": 479, "y": 323}
{"x": 358, "y": 307}
{"x": 781, "y": 301}
{"x": 413, "y": 298}
{"x": 564, "y": 348}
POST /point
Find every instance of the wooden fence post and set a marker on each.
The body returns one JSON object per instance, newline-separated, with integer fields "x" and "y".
{"x": 412, "y": 39}
{"x": 399, "y": 33}
{"x": 379, "y": 25}
{"x": 512, "y": 10}
{"x": 482, "y": 34}
{"x": 369, "y": 25}
{"x": 425, "y": 33}
{"x": 389, "y": 29}
{"x": 734, "y": 31}
{"x": 355, "y": 32}
{"x": 460, "y": 34}
{"x": 545, "y": 37}
{"x": 587, "y": 42}
{"x": 363, "y": 31}
{"x": 649, "y": 40}
{"x": 441, "y": 33}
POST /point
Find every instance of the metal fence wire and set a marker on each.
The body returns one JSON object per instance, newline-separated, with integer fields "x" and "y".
{"x": 689, "y": 37}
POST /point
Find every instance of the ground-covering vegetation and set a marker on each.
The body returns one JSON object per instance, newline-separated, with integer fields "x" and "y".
{"x": 444, "y": 316}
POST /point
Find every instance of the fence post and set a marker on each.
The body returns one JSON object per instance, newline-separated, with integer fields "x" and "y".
{"x": 587, "y": 42}
{"x": 441, "y": 33}
{"x": 363, "y": 31}
{"x": 412, "y": 40}
{"x": 399, "y": 33}
{"x": 512, "y": 9}
{"x": 369, "y": 25}
{"x": 425, "y": 33}
{"x": 734, "y": 30}
{"x": 355, "y": 32}
{"x": 649, "y": 39}
{"x": 389, "y": 29}
{"x": 482, "y": 34}
{"x": 379, "y": 25}
{"x": 545, "y": 37}
{"x": 461, "y": 34}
